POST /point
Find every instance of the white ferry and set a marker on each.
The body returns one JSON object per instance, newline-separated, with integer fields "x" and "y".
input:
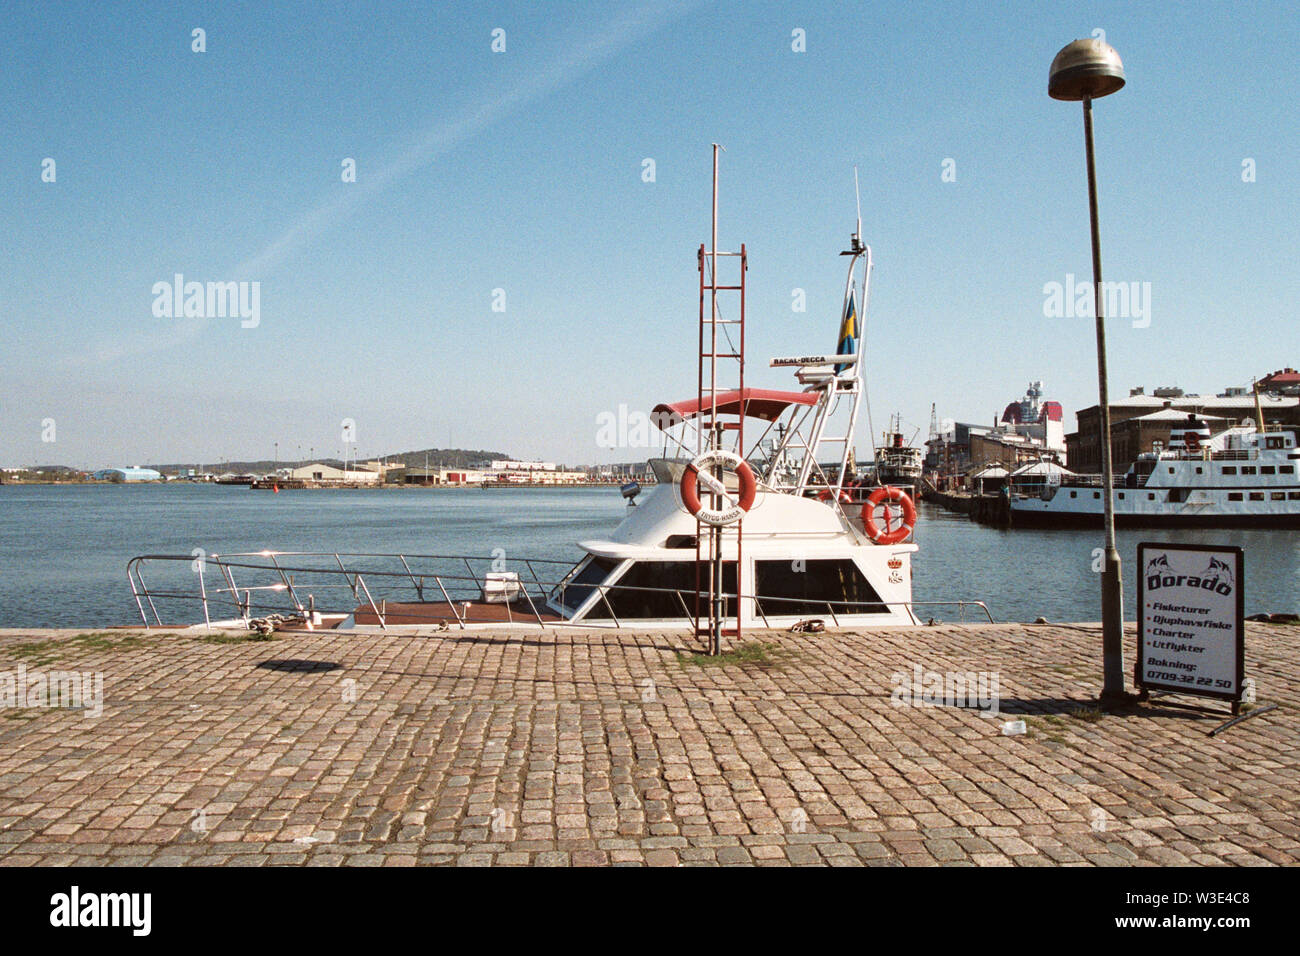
{"x": 794, "y": 542}
{"x": 1242, "y": 477}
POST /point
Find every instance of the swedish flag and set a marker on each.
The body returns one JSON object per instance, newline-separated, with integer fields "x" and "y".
{"x": 848, "y": 333}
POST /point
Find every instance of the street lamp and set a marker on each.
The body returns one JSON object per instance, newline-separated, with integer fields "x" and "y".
{"x": 1087, "y": 70}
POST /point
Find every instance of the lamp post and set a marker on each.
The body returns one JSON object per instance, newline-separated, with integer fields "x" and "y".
{"x": 1087, "y": 70}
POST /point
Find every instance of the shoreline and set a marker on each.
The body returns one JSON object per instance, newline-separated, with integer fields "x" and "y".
{"x": 339, "y": 486}
{"x": 326, "y": 485}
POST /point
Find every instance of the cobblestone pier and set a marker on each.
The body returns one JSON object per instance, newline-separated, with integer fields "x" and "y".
{"x": 602, "y": 748}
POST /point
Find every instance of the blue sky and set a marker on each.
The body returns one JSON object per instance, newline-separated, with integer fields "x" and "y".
{"x": 522, "y": 171}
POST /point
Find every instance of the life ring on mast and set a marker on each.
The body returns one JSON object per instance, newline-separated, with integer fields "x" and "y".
{"x": 843, "y": 497}
{"x": 888, "y": 535}
{"x": 732, "y": 510}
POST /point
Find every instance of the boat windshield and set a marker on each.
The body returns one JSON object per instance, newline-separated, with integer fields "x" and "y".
{"x": 588, "y": 573}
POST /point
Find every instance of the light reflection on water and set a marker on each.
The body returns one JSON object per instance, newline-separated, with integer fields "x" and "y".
{"x": 63, "y": 550}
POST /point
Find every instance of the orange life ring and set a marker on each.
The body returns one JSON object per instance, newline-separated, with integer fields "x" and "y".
{"x": 691, "y": 495}
{"x": 888, "y": 535}
{"x": 844, "y": 497}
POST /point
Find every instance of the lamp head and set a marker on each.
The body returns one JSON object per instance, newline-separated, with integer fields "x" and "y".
{"x": 1085, "y": 69}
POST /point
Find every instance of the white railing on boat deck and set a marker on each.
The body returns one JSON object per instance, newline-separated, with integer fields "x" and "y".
{"x": 289, "y": 584}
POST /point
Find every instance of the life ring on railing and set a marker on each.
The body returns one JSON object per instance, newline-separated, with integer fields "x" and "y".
{"x": 888, "y": 535}
{"x": 843, "y": 497}
{"x": 700, "y": 471}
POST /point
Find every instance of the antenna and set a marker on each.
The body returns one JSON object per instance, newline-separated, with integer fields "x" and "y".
{"x": 857, "y": 195}
{"x": 856, "y": 248}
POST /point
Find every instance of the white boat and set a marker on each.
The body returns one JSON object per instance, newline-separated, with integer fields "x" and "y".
{"x": 792, "y": 544}
{"x": 1242, "y": 477}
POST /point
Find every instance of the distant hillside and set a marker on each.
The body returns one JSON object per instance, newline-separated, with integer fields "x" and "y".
{"x": 445, "y": 457}
{"x": 438, "y": 458}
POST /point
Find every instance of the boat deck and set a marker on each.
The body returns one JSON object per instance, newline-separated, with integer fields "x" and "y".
{"x": 471, "y": 612}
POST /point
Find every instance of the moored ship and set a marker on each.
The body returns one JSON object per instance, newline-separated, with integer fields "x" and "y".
{"x": 1242, "y": 477}
{"x": 897, "y": 463}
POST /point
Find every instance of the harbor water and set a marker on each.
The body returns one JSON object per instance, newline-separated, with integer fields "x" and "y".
{"x": 64, "y": 549}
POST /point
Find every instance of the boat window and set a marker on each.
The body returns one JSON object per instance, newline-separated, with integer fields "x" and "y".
{"x": 1266, "y": 469}
{"x": 1279, "y": 496}
{"x": 1286, "y": 469}
{"x": 1074, "y": 494}
{"x": 1121, "y": 494}
{"x": 574, "y": 591}
{"x": 1293, "y": 495}
{"x": 1274, "y": 441}
{"x": 783, "y": 590}
{"x": 1199, "y": 469}
{"x": 1096, "y": 494}
{"x": 1234, "y": 496}
{"x": 1257, "y": 496}
{"x": 1151, "y": 496}
{"x": 1229, "y": 469}
{"x": 1247, "y": 469}
{"x": 651, "y": 589}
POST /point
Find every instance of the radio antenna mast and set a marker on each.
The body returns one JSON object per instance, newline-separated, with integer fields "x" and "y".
{"x": 857, "y": 194}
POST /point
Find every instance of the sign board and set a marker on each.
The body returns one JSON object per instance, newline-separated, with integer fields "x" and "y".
{"x": 847, "y": 359}
{"x": 1191, "y": 636}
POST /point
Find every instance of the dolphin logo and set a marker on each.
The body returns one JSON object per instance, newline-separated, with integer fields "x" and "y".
{"x": 1219, "y": 569}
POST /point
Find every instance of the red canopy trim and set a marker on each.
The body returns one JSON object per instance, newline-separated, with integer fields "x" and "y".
{"x": 766, "y": 404}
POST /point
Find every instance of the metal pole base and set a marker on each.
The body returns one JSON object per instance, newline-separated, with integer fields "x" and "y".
{"x": 1113, "y": 693}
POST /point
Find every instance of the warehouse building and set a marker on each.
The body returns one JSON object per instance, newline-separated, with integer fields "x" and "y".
{"x": 328, "y": 474}
{"x": 129, "y": 473}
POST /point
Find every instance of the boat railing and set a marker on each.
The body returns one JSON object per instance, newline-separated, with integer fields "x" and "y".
{"x": 1235, "y": 454}
{"x": 1076, "y": 481}
{"x": 246, "y": 587}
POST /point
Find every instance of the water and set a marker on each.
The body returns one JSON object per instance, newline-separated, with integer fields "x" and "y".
{"x": 63, "y": 550}
{"x": 1026, "y": 574}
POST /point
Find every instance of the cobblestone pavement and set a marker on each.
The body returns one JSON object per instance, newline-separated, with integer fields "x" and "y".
{"x": 593, "y": 748}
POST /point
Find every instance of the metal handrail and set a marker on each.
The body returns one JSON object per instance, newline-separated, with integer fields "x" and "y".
{"x": 407, "y": 579}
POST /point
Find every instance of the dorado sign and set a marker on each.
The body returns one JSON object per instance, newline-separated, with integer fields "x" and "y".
{"x": 1190, "y": 633}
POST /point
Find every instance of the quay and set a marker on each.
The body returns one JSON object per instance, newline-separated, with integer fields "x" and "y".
{"x": 600, "y": 747}
{"x": 986, "y": 509}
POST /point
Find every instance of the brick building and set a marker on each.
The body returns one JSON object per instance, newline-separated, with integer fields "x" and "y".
{"x": 1139, "y": 420}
